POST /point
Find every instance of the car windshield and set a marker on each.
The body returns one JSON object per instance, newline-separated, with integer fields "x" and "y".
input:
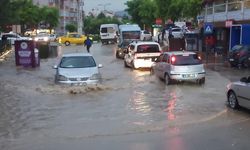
{"x": 131, "y": 34}
{"x": 186, "y": 59}
{"x": 149, "y": 48}
{"x": 77, "y": 62}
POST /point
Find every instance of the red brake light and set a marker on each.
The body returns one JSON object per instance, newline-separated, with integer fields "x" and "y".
{"x": 173, "y": 59}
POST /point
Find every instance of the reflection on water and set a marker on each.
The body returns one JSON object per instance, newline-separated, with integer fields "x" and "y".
{"x": 171, "y": 106}
{"x": 139, "y": 104}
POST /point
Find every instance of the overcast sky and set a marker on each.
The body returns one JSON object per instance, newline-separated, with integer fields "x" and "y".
{"x": 113, "y": 5}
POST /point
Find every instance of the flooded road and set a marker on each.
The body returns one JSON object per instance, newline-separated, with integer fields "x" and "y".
{"x": 131, "y": 109}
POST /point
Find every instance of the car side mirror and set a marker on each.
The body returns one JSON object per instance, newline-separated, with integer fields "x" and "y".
{"x": 55, "y": 67}
{"x": 100, "y": 66}
{"x": 244, "y": 79}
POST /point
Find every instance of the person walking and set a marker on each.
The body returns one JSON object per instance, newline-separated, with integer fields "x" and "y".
{"x": 88, "y": 43}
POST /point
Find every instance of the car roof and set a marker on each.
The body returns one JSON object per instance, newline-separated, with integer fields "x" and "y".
{"x": 76, "y": 54}
{"x": 179, "y": 52}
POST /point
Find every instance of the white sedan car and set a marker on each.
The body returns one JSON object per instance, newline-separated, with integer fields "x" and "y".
{"x": 238, "y": 93}
{"x": 77, "y": 69}
{"x": 14, "y": 36}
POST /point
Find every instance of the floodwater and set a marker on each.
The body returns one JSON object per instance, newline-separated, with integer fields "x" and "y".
{"x": 37, "y": 114}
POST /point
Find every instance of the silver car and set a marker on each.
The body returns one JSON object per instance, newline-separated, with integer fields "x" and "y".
{"x": 238, "y": 93}
{"x": 179, "y": 66}
{"x": 77, "y": 69}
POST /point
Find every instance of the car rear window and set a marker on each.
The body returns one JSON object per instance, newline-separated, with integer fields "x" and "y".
{"x": 107, "y": 30}
{"x": 149, "y": 48}
{"x": 186, "y": 59}
{"x": 77, "y": 62}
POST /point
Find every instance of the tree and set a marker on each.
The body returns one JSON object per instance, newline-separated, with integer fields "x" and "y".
{"x": 71, "y": 27}
{"x": 133, "y": 10}
{"x": 50, "y": 16}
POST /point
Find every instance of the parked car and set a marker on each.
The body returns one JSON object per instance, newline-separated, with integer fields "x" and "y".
{"x": 42, "y": 37}
{"x": 239, "y": 56}
{"x": 238, "y": 93}
{"x": 179, "y": 66}
{"x": 146, "y": 35}
{"x": 141, "y": 54}
{"x": 14, "y": 36}
{"x": 177, "y": 32}
{"x": 77, "y": 69}
{"x": 72, "y": 38}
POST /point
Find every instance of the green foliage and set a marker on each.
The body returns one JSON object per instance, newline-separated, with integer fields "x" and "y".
{"x": 145, "y": 11}
{"x": 92, "y": 24}
{"x": 24, "y": 12}
{"x": 71, "y": 27}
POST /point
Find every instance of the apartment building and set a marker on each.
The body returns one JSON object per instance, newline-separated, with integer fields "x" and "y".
{"x": 228, "y": 17}
{"x": 71, "y": 12}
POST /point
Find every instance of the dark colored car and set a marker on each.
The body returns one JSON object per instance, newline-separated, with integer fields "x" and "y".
{"x": 239, "y": 56}
{"x": 122, "y": 47}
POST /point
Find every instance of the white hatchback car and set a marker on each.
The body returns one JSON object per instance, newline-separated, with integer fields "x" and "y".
{"x": 77, "y": 69}
{"x": 141, "y": 54}
{"x": 179, "y": 66}
{"x": 146, "y": 35}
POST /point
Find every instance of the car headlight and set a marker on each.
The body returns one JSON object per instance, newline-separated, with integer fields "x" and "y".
{"x": 46, "y": 39}
{"x": 62, "y": 78}
{"x": 95, "y": 77}
{"x": 36, "y": 39}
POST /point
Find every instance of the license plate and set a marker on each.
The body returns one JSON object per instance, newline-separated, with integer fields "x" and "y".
{"x": 231, "y": 59}
{"x": 188, "y": 75}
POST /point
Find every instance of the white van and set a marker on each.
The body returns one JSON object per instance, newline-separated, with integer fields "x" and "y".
{"x": 108, "y": 33}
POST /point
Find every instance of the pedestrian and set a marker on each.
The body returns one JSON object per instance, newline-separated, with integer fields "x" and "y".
{"x": 88, "y": 43}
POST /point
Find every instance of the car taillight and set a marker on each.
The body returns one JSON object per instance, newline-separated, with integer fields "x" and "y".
{"x": 173, "y": 58}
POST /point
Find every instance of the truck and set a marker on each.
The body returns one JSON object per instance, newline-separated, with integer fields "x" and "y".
{"x": 127, "y": 34}
{"x": 108, "y": 33}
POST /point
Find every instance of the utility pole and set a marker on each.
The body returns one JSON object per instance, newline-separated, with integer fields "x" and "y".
{"x": 79, "y": 16}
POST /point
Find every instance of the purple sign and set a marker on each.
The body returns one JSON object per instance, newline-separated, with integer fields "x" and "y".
{"x": 24, "y": 52}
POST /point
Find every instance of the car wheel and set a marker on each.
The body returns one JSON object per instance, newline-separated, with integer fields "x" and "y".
{"x": 56, "y": 79}
{"x": 67, "y": 43}
{"x": 167, "y": 79}
{"x": 245, "y": 63}
{"x": 117, "y": 54}
{"x": 152, "y": 71}
{"x": 201, "y": 81}
{"x": 232, "y": 100}
{"x": 125, "y": 64}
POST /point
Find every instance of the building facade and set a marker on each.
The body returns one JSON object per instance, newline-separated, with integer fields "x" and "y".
{"x": 70, "y": 12}
{"x": 225, "y": 15}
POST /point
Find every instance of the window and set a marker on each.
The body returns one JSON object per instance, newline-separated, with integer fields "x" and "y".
{"x": 234, "y": 6}
{"x": 187, "y": 59}
{"x": 220, "y": 8}
{"x": 149, "y": 48}
{"x": 77, "y": 62}
{"x": 247, "y": 4}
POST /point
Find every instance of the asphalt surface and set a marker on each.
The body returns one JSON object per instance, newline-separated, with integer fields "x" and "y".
{"x": 130, "y": 110}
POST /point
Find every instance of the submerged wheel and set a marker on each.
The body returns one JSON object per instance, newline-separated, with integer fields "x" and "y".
{"x": 67, "y": 43}
{"x": 167, "y": 79}
{"x": 232, "y": 100}
{"x": 201, "y": 81}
